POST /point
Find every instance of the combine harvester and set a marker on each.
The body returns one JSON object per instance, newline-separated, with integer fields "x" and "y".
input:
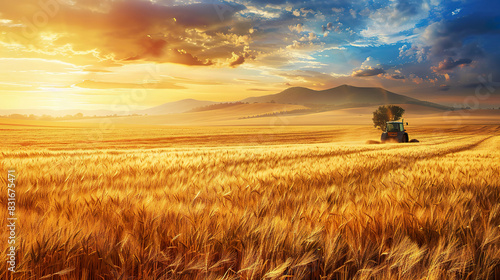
{"x": 395, "y": 131}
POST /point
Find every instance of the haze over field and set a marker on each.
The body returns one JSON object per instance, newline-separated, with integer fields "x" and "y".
{"x": 294, "y": 106}
{"x": 345, "y": 104}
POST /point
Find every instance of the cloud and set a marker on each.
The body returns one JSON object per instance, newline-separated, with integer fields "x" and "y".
{"x": 195, "y": 81}
{"x": 353, "y": 13}
{"x": 96, "y": 70}
{"x": 444, "y": 88}
{"x": 241, "y": 58}
{"x": 329, "y": 27}
{"x": 298, "y": 28}
{"x": 192, "y": 33}
{"x": 257, "y": 89}
{"x": 368, "y": 72}
{"x": 237, "y": 60}
{"x": 457, "y": 50}
{"x": 449, "y": 64}
{"x": 392, "y": 23}
{"x": 111, "y": 85}
{"x": 369, "y": 67}
{"x": 305, "y": 44}
{"x": 446, "y": 38}
{"x": 36, "y": 64}
{"x": 458, "y": 37}
{"x": 123, "y": 31}
{"x": 370, "y": 62}
{"x": 307, "y": 77}
{"x": 397, "y": 77}
{"x": 337, "y": 10}
{"x": 312, "y": 36}
{"x": 302, "y": 12}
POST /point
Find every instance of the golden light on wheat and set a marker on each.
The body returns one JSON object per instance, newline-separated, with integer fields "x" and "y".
{"x": 297, "y": 205}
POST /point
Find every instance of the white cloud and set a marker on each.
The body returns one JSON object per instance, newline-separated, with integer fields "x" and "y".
{"x": 387, "y": 25}
{"x": 302, "y": 12}
{"x": 455, "y": 12}
{"x": 264, "y": 13}
{"x": 299, "y": 28}
{"x": 370, "y": 62}
{"x": 353, "y": 13}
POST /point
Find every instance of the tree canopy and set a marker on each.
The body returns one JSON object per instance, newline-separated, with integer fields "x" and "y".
{"x": 386, "y": 114}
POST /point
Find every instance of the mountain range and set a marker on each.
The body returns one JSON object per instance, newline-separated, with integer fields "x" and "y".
{"x": 344, "y": 96}
{"x": 340, "y": 97}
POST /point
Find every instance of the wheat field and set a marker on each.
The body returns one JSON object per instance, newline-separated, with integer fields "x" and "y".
{"x": 254, "y": 203}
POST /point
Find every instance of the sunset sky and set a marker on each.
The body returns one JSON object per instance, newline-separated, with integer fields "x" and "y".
{"x": 111, "y": 54}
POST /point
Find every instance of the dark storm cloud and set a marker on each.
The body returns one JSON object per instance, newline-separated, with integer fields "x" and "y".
{"x": 449, "y": 64}
{"x": 447, "y": 38}
{"x": 456, "y": 51}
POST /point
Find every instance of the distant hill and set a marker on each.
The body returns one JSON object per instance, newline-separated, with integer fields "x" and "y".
{"x": 175, "y": 107}
{"x": 215, "y": 106}
{"x": 341, "y": 97}
{"x": 344, "y": 96}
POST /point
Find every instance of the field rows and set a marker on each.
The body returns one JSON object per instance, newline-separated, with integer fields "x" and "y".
{"x": 191, "y": 137}
{"x": 429, "y": 210}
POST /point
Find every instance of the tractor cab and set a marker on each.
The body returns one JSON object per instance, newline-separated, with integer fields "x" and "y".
{"x": 395, "y": 131}
{"x": 394, "y": 127}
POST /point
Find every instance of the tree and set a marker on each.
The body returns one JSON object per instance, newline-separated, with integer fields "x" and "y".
{"x": 386, "y": 114}
{"x": 46, "y": 118}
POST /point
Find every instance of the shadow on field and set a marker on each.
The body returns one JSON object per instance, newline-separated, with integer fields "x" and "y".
{"x": 390, "y": 141}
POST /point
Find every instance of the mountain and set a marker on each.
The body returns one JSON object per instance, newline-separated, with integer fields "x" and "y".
{"x": 341, "y": 97}
{"x": 344, "y": 96}
{"x": 175, "y": 107}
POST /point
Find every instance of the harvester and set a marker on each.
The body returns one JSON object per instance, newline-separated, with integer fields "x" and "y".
{"x": 395, "y": 131}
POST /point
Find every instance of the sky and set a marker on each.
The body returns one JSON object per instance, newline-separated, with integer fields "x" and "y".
{"x": 134, "y": 54}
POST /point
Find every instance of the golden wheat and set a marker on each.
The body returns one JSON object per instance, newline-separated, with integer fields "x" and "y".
{"x": 234, "y": 203}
